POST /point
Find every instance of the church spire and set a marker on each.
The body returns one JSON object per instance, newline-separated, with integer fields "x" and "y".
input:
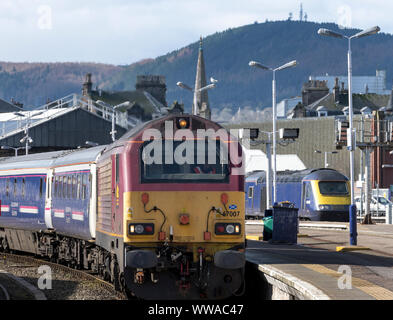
{"x": 201, "y": 100}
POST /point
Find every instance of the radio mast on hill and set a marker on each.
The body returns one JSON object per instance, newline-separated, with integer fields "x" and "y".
{"x": 301, "y": 12}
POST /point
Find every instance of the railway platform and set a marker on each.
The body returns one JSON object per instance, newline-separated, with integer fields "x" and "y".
{"x": 15, "y": 288}
{"x": 314, "y": 269}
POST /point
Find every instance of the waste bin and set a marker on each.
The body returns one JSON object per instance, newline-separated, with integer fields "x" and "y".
{"x": 267, "y": 228}
{"x": 285, "y": 222}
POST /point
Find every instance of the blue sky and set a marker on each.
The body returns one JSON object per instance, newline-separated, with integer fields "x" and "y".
{"x": 126, "y": 31}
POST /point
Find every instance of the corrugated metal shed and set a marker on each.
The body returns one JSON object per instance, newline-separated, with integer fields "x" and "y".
{"x": 67, "y": 130}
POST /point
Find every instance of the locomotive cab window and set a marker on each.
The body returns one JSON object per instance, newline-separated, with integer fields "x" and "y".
{"x": 189, "y": 164}
{"x": 333, "y": 187}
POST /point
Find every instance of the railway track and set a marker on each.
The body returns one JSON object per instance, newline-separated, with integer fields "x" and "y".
{"x": 76, "y": 274}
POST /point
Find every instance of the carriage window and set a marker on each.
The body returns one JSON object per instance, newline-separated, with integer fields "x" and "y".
{"x": 308, "y": 192}
{"x": 49, "y": 187}
{"x": 14, "y": 187}
{"x": 41, "y": 185}
{"x": 198, "y": 165}
{"x": 7, "y": 188}
{"x": 333, "y": 187}
{"x": 54, "y": 187}
{"x": 64, "y": 187}
{"x": 69, "y": 187}
{"x": 90, "y": 184}
{"x": 84, "y": 178}
{"x": 74, "y": 187}
{"x": 250, "y": 192}
{"x": 117, "y": 168}
{"x": 78, "y": 191}
{"x": 23, "y": 187}
{"x": 59, "y": 186}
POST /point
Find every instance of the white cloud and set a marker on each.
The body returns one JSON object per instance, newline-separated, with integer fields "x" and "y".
{"x": 121, "y": 31}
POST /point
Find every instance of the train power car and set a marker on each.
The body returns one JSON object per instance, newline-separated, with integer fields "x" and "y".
{"x": 156, "y": 228}
{"x": 320, "y": 194}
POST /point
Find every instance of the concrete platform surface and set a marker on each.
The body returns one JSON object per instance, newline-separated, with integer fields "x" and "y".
{"x": 354, "y": 275}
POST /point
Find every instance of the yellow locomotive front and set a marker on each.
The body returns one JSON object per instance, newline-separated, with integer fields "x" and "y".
{"x": 184, "y": 211}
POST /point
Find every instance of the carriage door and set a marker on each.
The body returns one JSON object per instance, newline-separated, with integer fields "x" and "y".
{"x": 116, "y": 196}
{"x": 263, "y": 200}
{"x": 307, "y": 199}
{"x": 48, "y": 200}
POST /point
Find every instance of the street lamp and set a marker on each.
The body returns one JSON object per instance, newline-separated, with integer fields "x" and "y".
{"x": 27, "y": 139}
{"x": 209, "y": 86}
{"x": 284, "y": 66}
{"x": 352, "y": 144}
{"x": 12, "y": 148}
{"x": 326, "y": 153}
{"x": 124, "y": 104}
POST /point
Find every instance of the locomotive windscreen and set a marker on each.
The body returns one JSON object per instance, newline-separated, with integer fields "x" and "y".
{"x": 184, "y": 161}
{"x": 333, "y": 187}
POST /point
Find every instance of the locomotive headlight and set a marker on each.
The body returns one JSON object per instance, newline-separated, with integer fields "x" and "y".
{"x": 139, "y": 229}
{"x": 324, "y": 207}
{"x": 183, "y": 123}
{"x": 230, "y": 229}
{"x": 227, "y": 229}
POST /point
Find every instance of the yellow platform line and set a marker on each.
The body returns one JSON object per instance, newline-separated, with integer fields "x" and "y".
{"x": 351, "y": 248}
{"x": 257, "y": 238}
{"x": 371, "y": 289}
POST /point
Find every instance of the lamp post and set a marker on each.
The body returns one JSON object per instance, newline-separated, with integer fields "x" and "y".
{"x": 352, "y": 143}
{"x": 209, "y": 86}
{"x": 12, "y": 148}
{"x": 124, "y": 104}
{"x": 326, "y": 153}
{"x": 284, "y": 66}
{"x": 27, "y": 139}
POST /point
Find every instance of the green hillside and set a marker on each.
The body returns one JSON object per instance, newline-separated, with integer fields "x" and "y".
{"x": 272, "y": 43}
{"x": 34, "y": 83}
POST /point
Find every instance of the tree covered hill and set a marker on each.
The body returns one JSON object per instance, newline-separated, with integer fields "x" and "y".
{"x": 226, "y": 55}
{"x": 33, "y": 83}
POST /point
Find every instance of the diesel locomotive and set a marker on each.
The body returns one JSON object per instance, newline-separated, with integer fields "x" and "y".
{"x": 150, "y": 212}
{"x": 320, "y": 194}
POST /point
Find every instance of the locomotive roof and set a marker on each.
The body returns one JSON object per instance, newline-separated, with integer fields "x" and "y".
{"x": 325, "y": 174}
{"x": 297, "y": 176}
{"x": 141, "y": 126}
{"x": 49, "y": 159}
